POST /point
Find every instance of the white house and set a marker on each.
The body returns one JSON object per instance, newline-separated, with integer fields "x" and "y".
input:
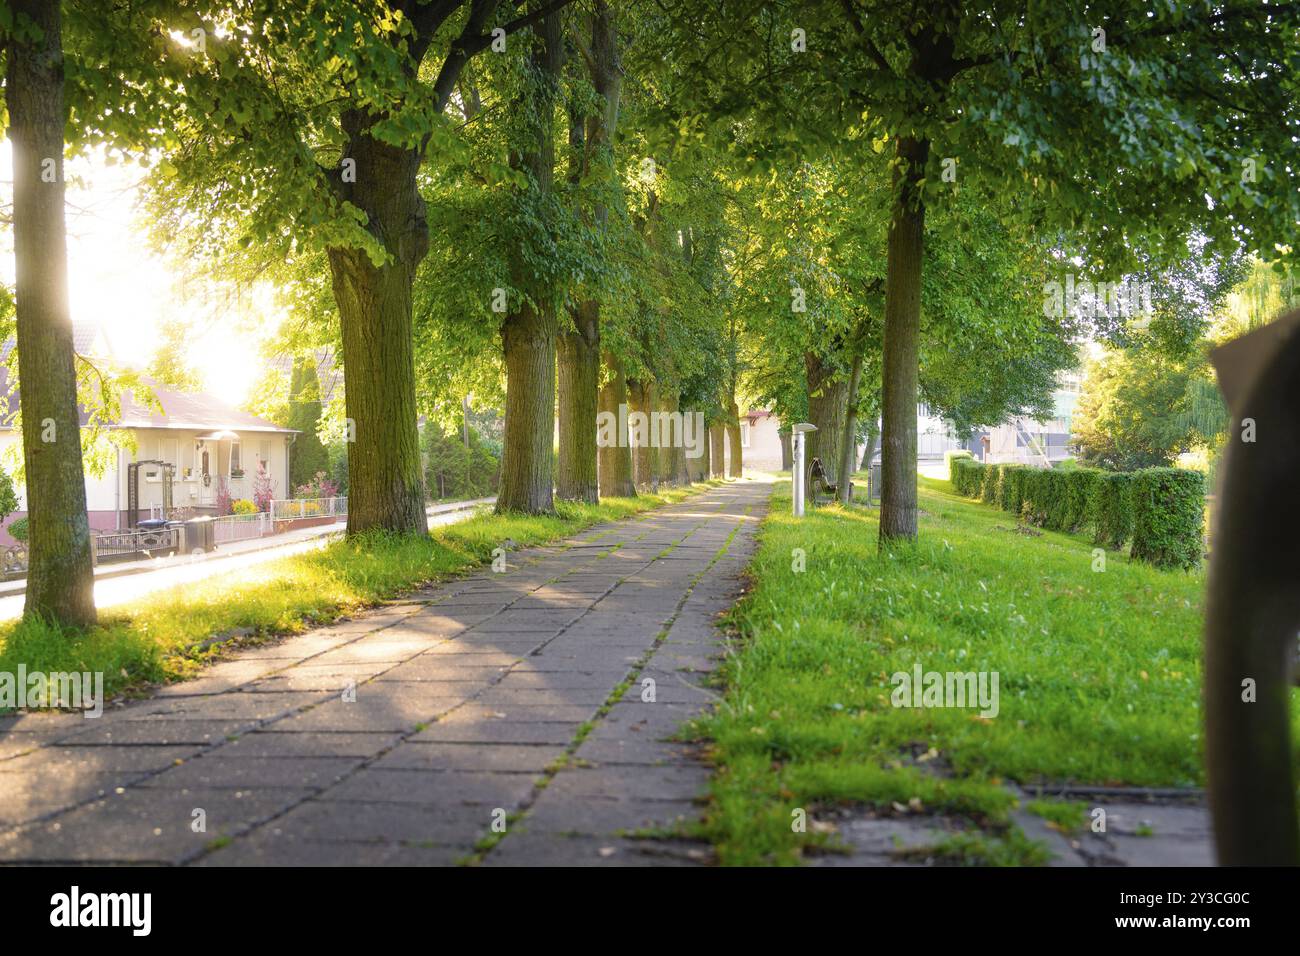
{"x": 209, "y": 443}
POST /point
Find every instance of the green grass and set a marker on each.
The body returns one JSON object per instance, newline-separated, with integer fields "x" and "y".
{"x": 1099, "y": 672}
{"x": 155, "y": 640}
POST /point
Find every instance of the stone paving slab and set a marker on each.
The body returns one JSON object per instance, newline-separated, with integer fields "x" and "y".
{"x": 406, "y": 734}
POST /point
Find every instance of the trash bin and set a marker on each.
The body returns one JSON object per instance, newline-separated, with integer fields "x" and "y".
{"x": 200, "y": 535}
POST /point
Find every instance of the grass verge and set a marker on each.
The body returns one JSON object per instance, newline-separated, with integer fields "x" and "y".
{"x": 1099, "y": 674}
{"x": 159, "y": 638}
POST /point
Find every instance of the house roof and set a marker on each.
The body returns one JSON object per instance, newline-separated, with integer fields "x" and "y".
{"x": 187, "y": 410}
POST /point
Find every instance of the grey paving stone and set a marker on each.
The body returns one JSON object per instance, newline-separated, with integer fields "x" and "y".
{"x": 634, "y": 782}
{"x": 552, "y": 815}
{"x": 143, "y": 826}
{"x": 532, "y": 849}
{"x": 513, "y": 758}
{"x": 269, "y": 849}
{"x": 270, "y": 743}
{"x": 496, "y": 732}
{"x": 440, "y": 788}
{"x": 399, "y": 710}
{"x": 72, "y": 761}
{"x": 236, "y": 705}
{"x": 457, "y": 826}
{"x": 247, "y": 773}
{"x": 159, "y": 731}
{"x": 37, "y": 793}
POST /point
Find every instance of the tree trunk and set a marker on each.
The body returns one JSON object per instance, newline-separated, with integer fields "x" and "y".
{"x": 529, "y": 332}
{"x": 703, "y": 470}
{"x": 787, "y": 449}
{"x": 906, "y": 247}
{"x": 579, "y": 351}
{"x": 869, "y": 452}
{"x": 579, "y": 359}
{"x": 717, "y": 450}
{"x": 827, "y": 401}
{"x": 669, "y": 455}
{"x": 60, "y": 581}
{"x": 849, "y": 445}
{"x": 386, "y": 484}
{"x": 736, "y": 465}
{"x": 638, "y": 400}
{"x": 615, "y": 458}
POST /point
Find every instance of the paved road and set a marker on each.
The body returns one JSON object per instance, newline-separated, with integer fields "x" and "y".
{"x": 502, "y": 717}
{"x": 130, "y": 581}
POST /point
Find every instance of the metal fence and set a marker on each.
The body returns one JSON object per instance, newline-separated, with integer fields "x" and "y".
{"x": 289, "y": 508}
{"x": 241, "y": 527}
{"x": 151, "y": 543}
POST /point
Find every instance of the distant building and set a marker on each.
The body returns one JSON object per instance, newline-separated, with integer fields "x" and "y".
{"x": 1026, "y": 441}
{"x": 206, "y": 440}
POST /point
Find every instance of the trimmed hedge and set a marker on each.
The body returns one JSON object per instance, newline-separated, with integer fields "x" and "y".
{"x": 1011, "y": 488}
{"x": 989, "y": 488}
{"x": 967, "y": 476}
{"x": 1079, "y": 485}
{"x": 1110, "y": 509}
{"x": 1161, "y": 509}
{"x": 1168, "y": 517}
{"x": 950, "y": 456}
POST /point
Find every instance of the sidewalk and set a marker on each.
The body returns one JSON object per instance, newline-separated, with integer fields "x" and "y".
{"x": 229, "y": 549}
{"x": 505, "y": 718}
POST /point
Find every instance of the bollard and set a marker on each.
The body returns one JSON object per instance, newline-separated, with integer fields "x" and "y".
{"x": 799, "y": 476}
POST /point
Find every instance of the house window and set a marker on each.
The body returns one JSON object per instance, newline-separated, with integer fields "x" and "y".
{"x": 236, "y": 460}
{"x": 744, "y": 434}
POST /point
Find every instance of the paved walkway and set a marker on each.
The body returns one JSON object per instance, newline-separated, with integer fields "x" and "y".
{"x": 510, "y": 718}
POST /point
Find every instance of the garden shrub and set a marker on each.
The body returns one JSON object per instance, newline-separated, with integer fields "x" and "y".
{"x": 968, "y": 477}
{"x": 243, "y": 506}
{"x": 18, "y": 530}
{"x": 1045, "y": 498}
{"x": 1056, "y": 485}
{"x": 1079, "y": 485}
{"x": 949, "y": 458}
{"x": 1010, "y": 491}
{"x": 989, "y": 486}
{"x": 1168, "y": 517}
{"x": 1110, "y": 509}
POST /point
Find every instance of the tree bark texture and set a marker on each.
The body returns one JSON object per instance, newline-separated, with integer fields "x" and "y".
{"x": 60, "y": 581}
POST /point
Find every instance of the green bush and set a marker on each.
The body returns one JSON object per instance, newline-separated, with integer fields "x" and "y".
{"x": 1079, "y": 485}
{"x": 950, "y": 456}
{"x": 1011, "y": 488}
{"x": 1045, "y": 500}
{"x": 1168, "y": 517}
{"x": 1110, "y": 509}
{"x": 989, "y": 486}
{"x": 18, "y": 530}
{"x": 968, "y": 477}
